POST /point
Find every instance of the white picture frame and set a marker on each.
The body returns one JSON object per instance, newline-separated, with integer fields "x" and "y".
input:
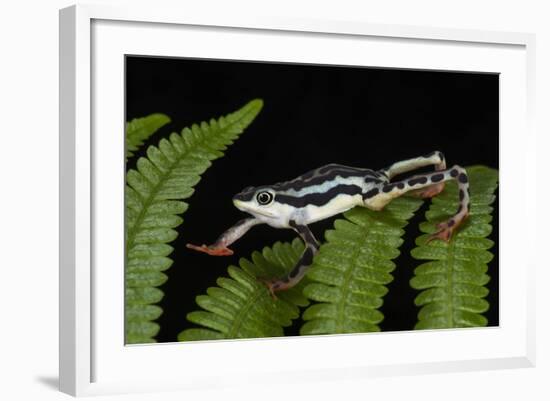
{"x": 93, "y": 358}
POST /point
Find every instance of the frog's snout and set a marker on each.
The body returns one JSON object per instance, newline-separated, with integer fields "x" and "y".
{"x": 239, "y": 204}
{"x": 244, "y": 196}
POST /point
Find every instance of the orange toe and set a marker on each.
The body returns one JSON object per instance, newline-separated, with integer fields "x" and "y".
{"x": 211, "y": 250}
{"x": 444, "y": 234}
{"x": 269, "y": 285}
{"x": 431, "y": 191}
{"x": 444, "y": 230}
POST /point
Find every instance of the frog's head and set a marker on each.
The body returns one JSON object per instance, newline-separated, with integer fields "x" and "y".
{"x": 261, "y": 202}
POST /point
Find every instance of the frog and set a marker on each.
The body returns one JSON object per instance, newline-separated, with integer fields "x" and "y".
{"x": 331, "y": 190}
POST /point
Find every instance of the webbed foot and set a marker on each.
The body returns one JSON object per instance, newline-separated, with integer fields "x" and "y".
{"x": 445, "y": 229}
{"x": 211, "y": 250}
{"x": 443, "y": 233}
{"x": 430, "y": 192}
{"x": 272, "y": 285}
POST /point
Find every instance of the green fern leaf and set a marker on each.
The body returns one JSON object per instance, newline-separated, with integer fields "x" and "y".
{"x": 352, "y": 269}
{"x": 453, "y": 281}
{"x": 154, "y": 195}
{"x": 140, "y": 129}
{"x": 241, "y": 306}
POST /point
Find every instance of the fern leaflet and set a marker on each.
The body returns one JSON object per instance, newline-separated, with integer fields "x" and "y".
{"x": 351, "y": 270}
{"x": 453, "y": 281}
{"x": 153, "y": 204}
{"x": 241, "y": 306}
{"x": 140, "y": 129}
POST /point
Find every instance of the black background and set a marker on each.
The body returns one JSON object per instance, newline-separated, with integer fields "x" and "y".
{"x": 313, "y": 115}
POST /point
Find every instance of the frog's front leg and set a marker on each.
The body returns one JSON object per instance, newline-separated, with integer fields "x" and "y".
{"x": 300, "y": 269}
{"x": 382, "y": 194}
{"x": 220, "y": 247}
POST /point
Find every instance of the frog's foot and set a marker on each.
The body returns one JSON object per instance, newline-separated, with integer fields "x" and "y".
{"x": 272, "y": 285}
{"x": 444, "y": 232}
{"x": 445, "y": 229}
{"x": 211, "y": 250}
{"x": 430, "y": 192}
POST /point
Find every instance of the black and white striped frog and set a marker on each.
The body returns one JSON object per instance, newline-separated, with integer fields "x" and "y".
{"x": 333, "y": 189}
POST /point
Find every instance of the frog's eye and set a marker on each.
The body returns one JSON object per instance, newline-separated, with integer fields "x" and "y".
{"x": 264, "y": 197}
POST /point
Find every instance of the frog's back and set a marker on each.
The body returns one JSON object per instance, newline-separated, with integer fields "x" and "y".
{"x": 326, "y": 191}
{"x": 325, "y": 174}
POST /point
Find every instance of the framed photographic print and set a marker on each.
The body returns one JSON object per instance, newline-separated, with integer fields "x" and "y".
{"x": 239, "y": 193}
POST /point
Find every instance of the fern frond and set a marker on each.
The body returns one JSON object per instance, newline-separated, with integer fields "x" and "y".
{"x": 453, "y": 281}
{"x": 140, "y": 129}
{"x": 352, "y": 269}
{"x": 241, "y": 306}
{"x": 154, "y": 195}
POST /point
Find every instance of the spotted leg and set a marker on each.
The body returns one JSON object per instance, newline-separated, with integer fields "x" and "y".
{"x": 435, "y": 158}
{"x": 380, "y": 196}
{"x": 298, "y": 272}
{"x": 220, "y": 247}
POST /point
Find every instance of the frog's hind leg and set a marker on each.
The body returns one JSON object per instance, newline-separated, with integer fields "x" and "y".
{"x": 435, "y": 158}
{"x": 380, "y": 196}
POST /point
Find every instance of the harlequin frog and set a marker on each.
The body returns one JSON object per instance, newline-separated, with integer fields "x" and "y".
{"x": 333, "y": 189}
